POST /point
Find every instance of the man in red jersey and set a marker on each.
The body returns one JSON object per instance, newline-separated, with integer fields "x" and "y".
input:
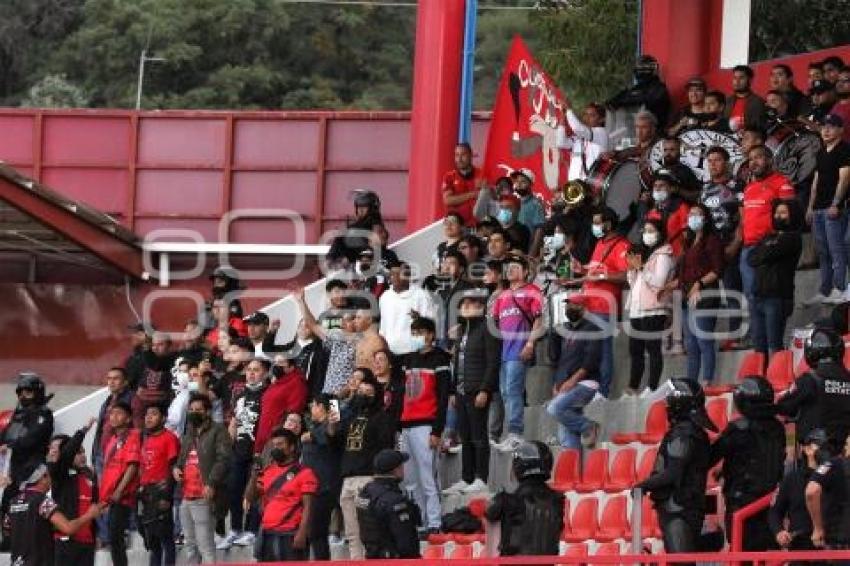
{"x": 119, "y": 481}
{"x": 286, "y": 394}
{"x": 461, "y": 185}
{"x": 160, "y": 449}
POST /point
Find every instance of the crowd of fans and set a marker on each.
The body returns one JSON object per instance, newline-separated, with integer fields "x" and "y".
{"x": 231, "y": 438}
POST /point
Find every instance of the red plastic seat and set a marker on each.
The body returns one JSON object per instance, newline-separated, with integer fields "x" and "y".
{"x": 462, "y": 538}
{"x": 566, "y": 472}
{"x": 718, "y": 412}
{"x": 578, "y": 550}
{"x": 608, "y": 549}
{"x": 752, "y": 364}
{"x": 621, "y": 474}
{"x": 613, "y": 523}
{"x": 462, "y": 551}
{"x": 439, "y": 538}
{"x": 434, "y": 551}
{"x": 780, "y": 370}
{"x": 648, "y": 522}
{"x": 595, "y": 470}
{"x": 478, "y": 506}
{"x": 719, "y": 389}
{"x": 647, "y": 462}
{"x": 583, "y": 523}
{"x": 654, "y": 428}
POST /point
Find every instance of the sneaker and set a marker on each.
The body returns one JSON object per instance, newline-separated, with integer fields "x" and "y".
{"x": 590, "y": 436}
{"x": 475, "y": 487}
{"x": 510, "y": 443}
{"x": 335, "y": 539}
{"x": 834, "y": 298}
{"x": 222, "y": 543}
{"x": 179, "y": 540}
{"x": 815, "y": 300}
{"x": 457, "y": 488}
{"x": 244, "y": 539}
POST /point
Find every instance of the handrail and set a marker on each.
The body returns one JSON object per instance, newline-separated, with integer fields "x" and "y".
{"x": 744, "y": 513}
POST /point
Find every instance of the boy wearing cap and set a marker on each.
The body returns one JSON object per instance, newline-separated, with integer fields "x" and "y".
{"x": 382, "y": 506}
{"x": 826, "y": 212}
{"x": 508, "y": 217}
{"x": 669, "y": 209}
{"x": 119, "y": 481}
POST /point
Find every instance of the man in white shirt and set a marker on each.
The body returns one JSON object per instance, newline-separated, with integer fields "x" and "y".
{"x": 588, "y": 141}
{"x": 399, "y": 305}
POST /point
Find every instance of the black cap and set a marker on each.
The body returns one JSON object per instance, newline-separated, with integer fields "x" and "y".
{"x": 258, "y": 317}
{"x": 820, "y": 86}
{"x": 833, "y": 120}
{"x": 388, "y": 460}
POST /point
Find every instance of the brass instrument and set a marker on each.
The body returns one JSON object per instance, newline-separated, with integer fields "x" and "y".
{"x": 574, "y": 193}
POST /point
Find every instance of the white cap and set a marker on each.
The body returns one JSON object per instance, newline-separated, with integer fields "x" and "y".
{"x": 525, "y": 172}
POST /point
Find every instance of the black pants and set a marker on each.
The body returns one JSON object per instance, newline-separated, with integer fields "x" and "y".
{"x": 757, "y": 534}
{"x": 472, "y": 427}
{"x": 73, "y": 553}
{"x": 638, "y": 346}
{"x": 8, "y": 494}
{"x": 680, "y": 531}
{"x": 119, "y": 521}
{"x": 240, "y": 472}
{"x": 159, "y": 537}
{"x": 278, "y": 548}
{"x": 320, "y": 522}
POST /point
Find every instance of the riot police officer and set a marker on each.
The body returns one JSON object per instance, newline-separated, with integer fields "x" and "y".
{"x": 821, "y": 398}
{"x": 753, "y": 452}
{"x": 677, "y": 483}
{"x": 28, "y": 434}
{"x": 345, "y": 249}
{"x": 388, "y": 519}
{"x": 532, "y": 517}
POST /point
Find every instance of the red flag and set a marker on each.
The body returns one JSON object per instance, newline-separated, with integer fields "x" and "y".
{"x": 528, "y": 111}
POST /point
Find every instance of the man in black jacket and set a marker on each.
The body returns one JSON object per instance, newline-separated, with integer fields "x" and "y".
{"x": 74, "y": 488}
{"x": 346, "y": 248}
{"x": 648, "y": 90}
{"x": 476, "y": 376}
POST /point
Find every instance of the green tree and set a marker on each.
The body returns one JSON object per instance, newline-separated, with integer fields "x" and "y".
{"x": 797, "y": 26}
{"x": 54, "y": 91}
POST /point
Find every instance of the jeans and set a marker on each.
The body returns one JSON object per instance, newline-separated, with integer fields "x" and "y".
{"x": 732, "y": 282}
{"x": 277, "y": 547}
{"x": 472, "y": 426}
{"x": 642, "y": 344}
{"x": 567, "y": 408}
{"x": 496, "y": 419}
{"x": 199, "y": 529}
{"x": 512, "y": 388}
{"x": 351, "y": 486}
{"x": 606, "y": 364}
{"x": 832, "y": 252}
{"x": 119, "y": 520}
{"x": 748, "y": 274}
{"x": 700, "y": 343}
{"x": 769, "y": 317}
{"x": 159, "y": 536}
{"x": 240, "y": 472}
{"x": 420, "y": 473}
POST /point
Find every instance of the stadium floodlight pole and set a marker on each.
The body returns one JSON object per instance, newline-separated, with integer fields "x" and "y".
{"x": 143, "y": 58}
{"x": 467, "y": 73}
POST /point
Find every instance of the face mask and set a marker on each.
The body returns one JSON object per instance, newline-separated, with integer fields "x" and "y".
{"x": 193, "y": 386}
{"x": 558, "y": 240}
{"x": 278, "y": 455}
{"x": 196, "y": 419}
{"x": 659, "y": 196}
{"x": 254, "y": 386}
{"x": 180, "y": 381}
{"x": 598, "y": 230}
{"x": 842, "y": 95}
{"x": 418, "y": 342}
{"x": 361, "y": 402}
{"x": 650, "y": 239}
{"x": 504, "y": 216}
{"x": 25, "y": 402}
{"x": 780, "y": 224}
{"x": 574, "y": 315}
{"x": 696, "y": 223}
{"x": 277, "y": 371}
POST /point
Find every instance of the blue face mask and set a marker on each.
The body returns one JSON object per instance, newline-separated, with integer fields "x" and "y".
{"x": 597, "y": 230}
{"x": 557, "y": 241}
{"x": 504, "y": 216}
{"x": 418, "y": 342}
{"x": 696, "y": 223}
{"x": 659, "y": 196}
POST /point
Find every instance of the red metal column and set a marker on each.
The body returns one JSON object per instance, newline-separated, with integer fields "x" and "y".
{"x": 321, "y": 172}
{"x": 680, "y": 35}
{"x": 130, "y": 207}
{"x": 436, "y": 103}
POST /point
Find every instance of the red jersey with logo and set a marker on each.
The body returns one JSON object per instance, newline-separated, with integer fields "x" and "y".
{"x": 121, "y": 451}
{"x": 757, "y": 212}
{"x": 427, "y": 379}
{"x": 675, "y": 226}
{"x": 458, "y": 185}
{"x": 158, "y": 451}
{"x": 282, "y": 509}
{"x": 193, "y": 483}
{"x": 608, "y": 258}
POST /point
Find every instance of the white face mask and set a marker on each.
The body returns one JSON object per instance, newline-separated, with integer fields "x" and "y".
{"x": 193, "y": 386}
{"x": 558, "y": 240}
{"x": 659, "y": 196}
{"x": 650, "y": 239}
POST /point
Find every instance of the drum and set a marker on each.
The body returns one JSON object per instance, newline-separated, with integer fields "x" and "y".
{"x": 617, "y": 184}
{"x": 695, "y": 146}
{"x": 795, "y": 151}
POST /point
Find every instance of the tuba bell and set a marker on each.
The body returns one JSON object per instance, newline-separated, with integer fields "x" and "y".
{"x": 574, "y": 193}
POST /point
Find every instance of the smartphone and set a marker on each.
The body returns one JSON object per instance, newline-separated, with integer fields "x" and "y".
{"x": 334, "y": 403}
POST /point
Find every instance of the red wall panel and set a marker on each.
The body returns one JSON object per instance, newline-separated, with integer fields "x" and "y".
{"x": 182, "y": 142}
{"x": 16, "y": 143}
{"x": 385, "y": 145}
{"x": 275, "y": 144}
{"x": 104, "y": 189}
{"x": 189, "y": 192}
{"x": 96, "y": 141}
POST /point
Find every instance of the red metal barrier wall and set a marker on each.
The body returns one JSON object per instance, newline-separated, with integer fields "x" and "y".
{"x": 186, "y": 169}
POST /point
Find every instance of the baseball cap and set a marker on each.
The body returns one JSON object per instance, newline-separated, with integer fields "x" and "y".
{"x": 388, "y": 460}
{"x": 525, "y": 172}
{"x": 258, "y": 317}
{"x": 696, "y": 81}
{"x": 833, "y": 120}
{"x": 820, "y": 86}
{"x": 665, "y": 175}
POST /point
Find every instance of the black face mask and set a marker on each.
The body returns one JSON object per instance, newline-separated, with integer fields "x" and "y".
{"x": 362, "y": 403}
{"x": 277, "y": 371}
{"x": 781, "y": 224}
{"x": 26, "y": 402}
{"x": 196, "y": 419}
{"x": 278, "y": 455}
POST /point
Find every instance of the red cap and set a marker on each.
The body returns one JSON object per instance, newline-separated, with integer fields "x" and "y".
{"x": 510, "y": 199}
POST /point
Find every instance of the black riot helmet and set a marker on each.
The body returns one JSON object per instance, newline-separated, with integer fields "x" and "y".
{"x": 225, "y": 280}
{"x": 824, "y": 344}
{"x": 645, "y": 68}
{"x": 686, "y": 401}
{"x": 532, "y": 460}
{"x": 367, "y": 199}
{"x": 33, "y": 382}
{"x": 753, "y": 396}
